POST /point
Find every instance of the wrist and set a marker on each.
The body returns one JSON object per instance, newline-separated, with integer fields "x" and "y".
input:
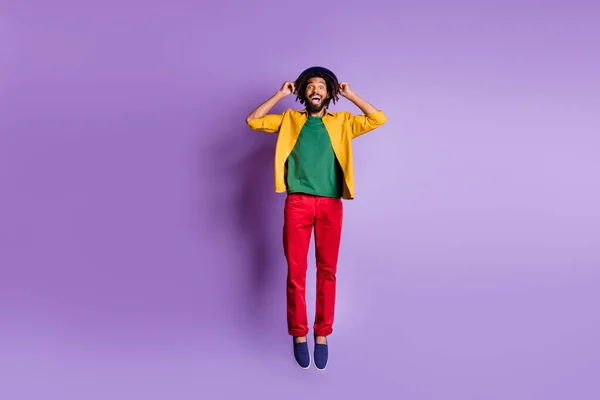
{"x": 351, "y": 96}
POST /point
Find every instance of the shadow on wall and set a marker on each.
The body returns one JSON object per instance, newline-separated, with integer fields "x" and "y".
{"x": 249, "y": 215}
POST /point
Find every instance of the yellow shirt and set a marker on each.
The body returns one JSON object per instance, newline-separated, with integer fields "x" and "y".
{"x": 342, "y": 127}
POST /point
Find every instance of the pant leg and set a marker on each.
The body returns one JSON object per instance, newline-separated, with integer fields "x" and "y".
{"x": 328, "y": 231}
{"x": 298, "y": 224}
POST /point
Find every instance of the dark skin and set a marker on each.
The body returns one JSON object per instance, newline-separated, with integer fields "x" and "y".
{"x": 315, "y": 87}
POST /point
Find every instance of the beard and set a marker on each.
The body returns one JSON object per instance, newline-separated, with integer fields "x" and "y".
{"x": 315, "y": 108}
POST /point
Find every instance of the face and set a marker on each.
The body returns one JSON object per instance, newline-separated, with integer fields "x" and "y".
{"x": 316, "y": 94}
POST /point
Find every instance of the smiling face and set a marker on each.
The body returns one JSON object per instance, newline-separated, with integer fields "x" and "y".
{"x": 316, "y": 94}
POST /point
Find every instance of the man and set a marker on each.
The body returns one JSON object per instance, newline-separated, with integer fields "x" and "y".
{"x": 313, "y": 164}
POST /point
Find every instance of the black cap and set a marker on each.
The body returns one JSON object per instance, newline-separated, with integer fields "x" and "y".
{"x": 318, "y": 72}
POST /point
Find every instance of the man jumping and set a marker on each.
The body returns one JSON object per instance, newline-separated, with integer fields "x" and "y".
{"x": 313, "y": 164}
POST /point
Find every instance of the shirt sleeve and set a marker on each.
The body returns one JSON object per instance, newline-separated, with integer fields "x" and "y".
{"x": 270, "y": 123}
{"x": 362, "y": 124}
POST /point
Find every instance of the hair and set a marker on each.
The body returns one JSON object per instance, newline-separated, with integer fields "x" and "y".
{"x": 333, "y": 86}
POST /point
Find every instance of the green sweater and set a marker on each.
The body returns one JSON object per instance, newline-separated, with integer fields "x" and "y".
{"x": 312, "y": 167}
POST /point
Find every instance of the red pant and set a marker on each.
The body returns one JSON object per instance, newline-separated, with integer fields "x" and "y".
{"x": 302, "y": 212}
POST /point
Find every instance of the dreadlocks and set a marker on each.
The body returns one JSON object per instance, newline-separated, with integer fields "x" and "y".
{"x": 333, "y": 86}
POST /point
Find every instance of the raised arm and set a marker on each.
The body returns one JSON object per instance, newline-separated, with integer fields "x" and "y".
{"x": 261, "y": 120}
{"x": 359, "y": 102}
{"x": 262, "y": 110}
{"x": 372, "y": 118}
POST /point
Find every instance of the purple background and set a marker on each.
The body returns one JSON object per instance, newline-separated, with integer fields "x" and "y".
{"x": 140, "y": 237}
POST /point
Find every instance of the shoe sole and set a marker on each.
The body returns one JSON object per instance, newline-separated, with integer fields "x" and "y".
{"x": 327, "y": 363}
{"x": 309, "y": 362}
{"x": 322, "y": 369}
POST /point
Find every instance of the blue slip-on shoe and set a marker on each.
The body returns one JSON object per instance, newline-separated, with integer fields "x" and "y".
{"x": 301, "y": 354}
{"x": 321, "y": 355}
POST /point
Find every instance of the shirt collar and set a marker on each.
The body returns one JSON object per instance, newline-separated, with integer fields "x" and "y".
{"x": 304, "y": 111}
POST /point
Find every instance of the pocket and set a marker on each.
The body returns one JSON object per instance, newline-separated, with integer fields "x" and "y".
{"x": 293, "y": 198}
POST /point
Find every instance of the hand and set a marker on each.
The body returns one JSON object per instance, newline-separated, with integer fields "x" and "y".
{"x": 345, "y": 89}
{"x": 287, "y": 88}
